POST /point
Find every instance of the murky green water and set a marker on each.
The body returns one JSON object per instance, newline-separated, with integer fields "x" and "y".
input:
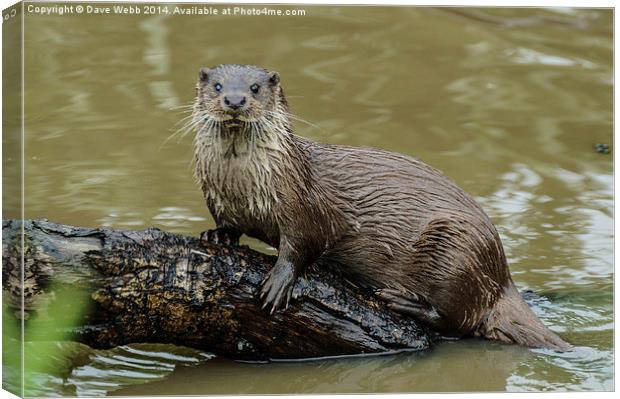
{"x": 509, "y": 103}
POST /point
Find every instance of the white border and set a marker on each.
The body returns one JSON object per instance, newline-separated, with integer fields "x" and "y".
{"x": 484, "y": 3}
{"x": 478, "y": 3}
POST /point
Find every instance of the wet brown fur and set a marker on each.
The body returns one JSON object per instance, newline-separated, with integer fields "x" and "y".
{"x": 388, "y": 221}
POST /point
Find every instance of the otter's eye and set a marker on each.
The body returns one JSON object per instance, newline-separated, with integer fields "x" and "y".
{"x": 254, "y": 88}
{"x": 217, "y": 87}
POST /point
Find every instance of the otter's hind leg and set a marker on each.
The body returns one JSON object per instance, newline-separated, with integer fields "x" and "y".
{"x": 457, "y": 272}
{"x": 410, "y": 304}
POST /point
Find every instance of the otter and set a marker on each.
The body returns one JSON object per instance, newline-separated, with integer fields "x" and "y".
{"x": 387, "y": 222}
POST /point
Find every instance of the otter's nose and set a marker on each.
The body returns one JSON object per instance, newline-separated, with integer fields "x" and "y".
{"x": 234, "y": 102}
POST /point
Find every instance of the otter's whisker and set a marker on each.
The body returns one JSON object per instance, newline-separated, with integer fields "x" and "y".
{"x": 297, "y": 118}
{"x": 183, "y": 106}
{"x": 188, "y": 123}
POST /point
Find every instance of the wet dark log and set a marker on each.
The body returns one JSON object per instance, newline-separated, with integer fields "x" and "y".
{"x": 153, "y": 286}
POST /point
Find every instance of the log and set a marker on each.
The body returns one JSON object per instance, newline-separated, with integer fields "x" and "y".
{"x": 160, "y": 287}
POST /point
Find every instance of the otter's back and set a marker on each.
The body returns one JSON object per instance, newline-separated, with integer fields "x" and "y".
{"x": 376, "y": 180}
{"x": 393, "y": 199}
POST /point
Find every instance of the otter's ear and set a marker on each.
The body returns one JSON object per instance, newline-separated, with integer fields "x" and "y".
{"x": 274, "y": 78}
{"x": 203, "y": 75}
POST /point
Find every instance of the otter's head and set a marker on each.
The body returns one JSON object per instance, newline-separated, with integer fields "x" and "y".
{"x": 233, "y": 96}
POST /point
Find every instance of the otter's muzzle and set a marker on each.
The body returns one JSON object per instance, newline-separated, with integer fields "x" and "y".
{"x": 234, "y": 102}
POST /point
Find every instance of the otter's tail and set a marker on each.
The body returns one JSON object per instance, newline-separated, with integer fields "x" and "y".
{"x": 511, "y": 320}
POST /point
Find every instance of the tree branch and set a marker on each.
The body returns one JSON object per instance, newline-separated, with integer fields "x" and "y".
{"x": 153, "y": 286}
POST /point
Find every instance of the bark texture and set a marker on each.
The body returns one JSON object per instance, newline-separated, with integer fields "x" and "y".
{"x": 154, "y": 286}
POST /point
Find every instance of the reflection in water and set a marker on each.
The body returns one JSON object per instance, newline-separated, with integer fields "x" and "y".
{"x": 507, "y": 102}
{"x": 417, "y": 372}
{"x": 99, "y": 372}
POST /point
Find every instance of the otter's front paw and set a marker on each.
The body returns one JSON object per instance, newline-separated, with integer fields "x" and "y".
{"x": 220, "y": 236}
{"x": 278, "y": 286}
